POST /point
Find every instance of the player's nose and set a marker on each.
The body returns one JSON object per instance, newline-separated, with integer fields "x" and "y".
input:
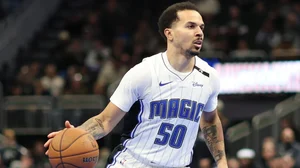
{"x": 199, "y": 33}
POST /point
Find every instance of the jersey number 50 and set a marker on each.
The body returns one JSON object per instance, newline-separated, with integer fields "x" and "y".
{"x": 171, "y": 135}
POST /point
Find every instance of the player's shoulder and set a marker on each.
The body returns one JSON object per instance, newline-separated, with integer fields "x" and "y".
{"x": 205, "y": 67}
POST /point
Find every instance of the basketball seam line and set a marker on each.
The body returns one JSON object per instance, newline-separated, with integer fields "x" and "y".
{"x": 74, "y": 154}
{"x": 69, "y": 144}
{"x": 61, "y": 160}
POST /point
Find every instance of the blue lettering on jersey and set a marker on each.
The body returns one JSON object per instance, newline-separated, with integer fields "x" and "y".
{"x": 176, "y": 108}
{"x": 199, "y": 109}
{"x": 159, "y": 108}
{"x": 173, "y": 108}
{"x": 193, "y": 110}
{"x": 185, "y": 108}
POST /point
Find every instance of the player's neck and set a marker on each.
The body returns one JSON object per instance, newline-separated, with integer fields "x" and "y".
{"x": 179, "y": 61}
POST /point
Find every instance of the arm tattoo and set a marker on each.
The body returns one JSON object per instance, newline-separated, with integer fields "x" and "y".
{"x": 211, "y": 137}
{"x": 94, "y": 126}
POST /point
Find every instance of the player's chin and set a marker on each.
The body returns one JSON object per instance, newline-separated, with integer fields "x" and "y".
{"x": 194, "y": 51}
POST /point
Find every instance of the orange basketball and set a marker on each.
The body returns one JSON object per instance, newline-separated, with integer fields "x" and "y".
{"x": 72, "y": 148}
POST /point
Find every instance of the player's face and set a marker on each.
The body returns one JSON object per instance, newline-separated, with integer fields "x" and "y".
{"x": 187, "y": 32}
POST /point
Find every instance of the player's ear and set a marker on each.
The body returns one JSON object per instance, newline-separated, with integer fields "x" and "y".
{"x": 169, "y": 34}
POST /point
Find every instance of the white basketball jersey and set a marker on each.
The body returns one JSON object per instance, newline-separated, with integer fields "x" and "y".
{"x": 171, "y": 107}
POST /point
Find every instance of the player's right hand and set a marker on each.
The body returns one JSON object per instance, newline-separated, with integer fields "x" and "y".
{"x": 53, "y": 134}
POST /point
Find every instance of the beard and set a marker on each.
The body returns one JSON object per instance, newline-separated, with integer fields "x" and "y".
{"x": 193, "y": 52}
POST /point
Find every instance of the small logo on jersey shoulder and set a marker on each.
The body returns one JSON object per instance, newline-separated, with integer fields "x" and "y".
{"x": 196, "y": 84}
{"x": 122, "y": 162}
{"x": 163, "y": 84}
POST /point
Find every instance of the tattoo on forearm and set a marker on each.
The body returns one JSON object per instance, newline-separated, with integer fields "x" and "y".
{"x": 99, "y": 123}
{"x": 95, "y": 127}
{"x": 211, "y": 135}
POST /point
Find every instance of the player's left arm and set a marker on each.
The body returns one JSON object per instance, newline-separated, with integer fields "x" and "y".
{"x": 211, "y": 126}
{"x": 213, "y": 133}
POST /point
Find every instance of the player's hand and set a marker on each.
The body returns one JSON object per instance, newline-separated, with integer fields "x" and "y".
{"x": 53, "y": 134}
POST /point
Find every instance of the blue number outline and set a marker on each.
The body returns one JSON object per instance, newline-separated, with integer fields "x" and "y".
{"x": 173, "y": 137}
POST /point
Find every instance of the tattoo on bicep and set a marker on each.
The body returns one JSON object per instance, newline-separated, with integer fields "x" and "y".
{"x": 211, "y": 135}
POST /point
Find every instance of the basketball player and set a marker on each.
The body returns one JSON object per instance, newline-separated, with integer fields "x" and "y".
{"x": 177, "y": 92}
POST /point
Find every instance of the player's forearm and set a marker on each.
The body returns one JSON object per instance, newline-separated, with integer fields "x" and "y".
{"x": 213, "y": 134}
{"x": 95, "y": 126}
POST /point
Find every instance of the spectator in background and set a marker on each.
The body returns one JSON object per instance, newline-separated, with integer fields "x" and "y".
{"x": 113, "y": 70}
{"x": 233, "y": 163}
{"x": 11, "y": 150}
{"x": 145, "y": 36}
{"x": 208, "y": 7}
{"x": 27, "y": 76}
{"x": 51, "y": 81}
{"x": 287, "y": 123}
{"x": 75, "y": 53}
{"x": 244, "y": 52}
{"x": 26, "y": 161}
{"x": 205, "y": 163}
{"x": 267, "y": 36}
{"x": 268, "y": 153}
{"x": 242, "y": 49}
{"x": 285, "y": 49}
{"x": 292, "y": 28}
{"x": 77, "y": 86}
{"x": 288, "y": 162}
{"x": 215, "y": 40}
{"x": 235, "y": 28}
{"x": 246, "y": 158}
{"x": 39, "y": 90}
{"x": 288, "y": 147}
{"x": 16, "y": 90}
{"x": 96, "y": 55}
{"x": 39, "y": 157}
{"x": 209, "y": 10}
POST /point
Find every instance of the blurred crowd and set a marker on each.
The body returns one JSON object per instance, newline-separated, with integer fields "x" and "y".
{"x": 87, "y": 46}
{"x": 284, "y": 153}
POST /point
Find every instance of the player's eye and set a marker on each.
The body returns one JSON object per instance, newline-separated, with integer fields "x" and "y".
{"x": 191, "y": 26}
